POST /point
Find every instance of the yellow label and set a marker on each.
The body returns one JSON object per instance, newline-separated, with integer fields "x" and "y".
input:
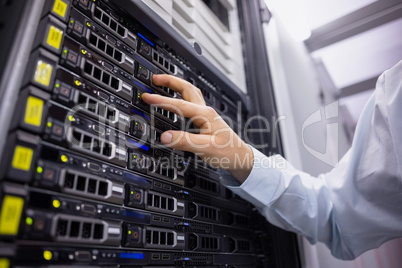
{"x": 4, "y": 263}
{"x": 33, "y": 111}
{"x": 11, "y": 215}
{"x": 60, "y": 8}
{"x": 54, "y": 37}
{"x": 43, "y": 73}
{"x": 22, "y": 158}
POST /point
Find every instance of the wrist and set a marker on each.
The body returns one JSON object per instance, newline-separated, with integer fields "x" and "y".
{"x": 243, "y": 163}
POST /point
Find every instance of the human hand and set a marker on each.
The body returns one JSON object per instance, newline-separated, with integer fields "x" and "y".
{"x": 217, "y": 144}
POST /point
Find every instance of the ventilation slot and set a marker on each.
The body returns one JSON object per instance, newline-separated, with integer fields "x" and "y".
{"x": 205, "y": 93}
{"x": 208, "y": 185}
{"x": 114, "y": 26}
{"x": 109, "y": 22}
{"x": 208, "y": 213}
{"x": 163, "y": 63}
{"x": 160, "y": 202}
{"x": 243, "y": 246}
{"x": 210, "y": 243}
{"x": 85, "y": 184}
{"x": 92, "y": 144}
{"x": 93, "y": 187}
{"x": 101, "y": 77}
{"x": 157, "y": 136}
{"x": 165, "y": 113}
{"x": 97, "y": 109}
{"x": 161, "y": 238}
{"x": 166, "y": 171}
{"x": 169, "y": 91}
{"x": 105, "y": 49}
{"x": 77, "y": 230}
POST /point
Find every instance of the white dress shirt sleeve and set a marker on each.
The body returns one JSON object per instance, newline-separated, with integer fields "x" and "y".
{"x": 356, "y": 206}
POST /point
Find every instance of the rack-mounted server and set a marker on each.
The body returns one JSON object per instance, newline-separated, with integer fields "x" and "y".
{"x": 84, "y": 177}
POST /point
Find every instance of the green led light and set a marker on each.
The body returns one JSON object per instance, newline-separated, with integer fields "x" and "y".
{"x": 71, "y": 21}
{"x": 64, "y": 158}
{"x": 28, "y": 220}
{"x": 49, "y": 124}
{"x": 57, "y": 85}
{"x": 56, "y": 203}
{"x": 39, "y": 170}
{"x": 132, "y": 192}
{"x": 47, "y": 255}
{"x": 129, "y": 232}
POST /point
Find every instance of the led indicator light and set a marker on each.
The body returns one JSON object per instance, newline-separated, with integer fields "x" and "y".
{"x": 39, "y": 170}
{"x": 78, "y": 83}
{"x": 56, "y": 203}
{"x": 88, "y": 24}
{"x": 47, "y": 255}
{"x": 64, "y": 158}
{"x": 49, "y": 124}
{"x": 57, "y": 85}
{"x": 28, "y": 220}
{"x": 132, "y": 192}
{"x": 65, "y": 52}
{"x": 72, "y": 21}
{"x": 71, "y": 118}
{"x": 83, "y": 51}
{"x": 129, "y": 232}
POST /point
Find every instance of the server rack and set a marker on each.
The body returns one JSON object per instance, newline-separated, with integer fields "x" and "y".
{"x": 84, "y": 178}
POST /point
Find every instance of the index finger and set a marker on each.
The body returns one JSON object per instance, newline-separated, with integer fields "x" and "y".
{"x": 187, "y": 90}
{"x": 202, "y": 114}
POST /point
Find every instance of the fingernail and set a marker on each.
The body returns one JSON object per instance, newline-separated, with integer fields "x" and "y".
{"x": 166, "y": 138}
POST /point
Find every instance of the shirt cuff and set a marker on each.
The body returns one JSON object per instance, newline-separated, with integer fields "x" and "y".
{"x": 260, "y": 186}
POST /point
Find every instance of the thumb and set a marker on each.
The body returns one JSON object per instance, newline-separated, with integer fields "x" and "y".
{"x": 185, "y": 141}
